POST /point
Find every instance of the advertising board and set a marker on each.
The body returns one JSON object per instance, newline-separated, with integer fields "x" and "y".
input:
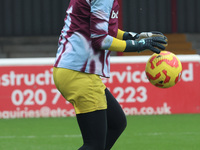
{"x": 27, "y": 88}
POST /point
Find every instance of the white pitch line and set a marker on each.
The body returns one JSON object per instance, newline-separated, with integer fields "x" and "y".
{"x": 32, "y": 136}
{"x": 78, "y": 135}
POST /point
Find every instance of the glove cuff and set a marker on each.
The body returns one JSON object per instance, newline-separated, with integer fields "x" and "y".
{"x": 130, "y": 36}
{"x": 131, "y": 46}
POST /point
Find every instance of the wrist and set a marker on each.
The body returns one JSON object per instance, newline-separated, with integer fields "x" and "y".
{"x": 132, "y": 46}
{"x": 130, "y": 36}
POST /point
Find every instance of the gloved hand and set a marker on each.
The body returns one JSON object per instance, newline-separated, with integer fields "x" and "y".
{"x": 150, "y": 34}
{"x": 153, "y": 43}
{"x": 142, "y": 35}
{"x": 130, "y": 36}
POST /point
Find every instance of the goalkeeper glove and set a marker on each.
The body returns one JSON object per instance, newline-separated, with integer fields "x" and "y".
{"x": 152, "y": 43}
{"x": 142, "y": 35}
{"x": 150, "y": 34}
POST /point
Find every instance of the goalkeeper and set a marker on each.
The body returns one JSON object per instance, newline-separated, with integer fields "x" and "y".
{"x": 89, "y": 35}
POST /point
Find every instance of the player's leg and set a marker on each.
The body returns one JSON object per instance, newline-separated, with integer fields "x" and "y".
{"x": 93, "y": 127}
{"x": 86, "y": 92}
{"x": 116, "y": 120}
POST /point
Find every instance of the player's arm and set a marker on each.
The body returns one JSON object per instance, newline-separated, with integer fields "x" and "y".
{"x": 154, "y": 44}
{"x": 123, "y": 35}
{"x": 99, "y": 22}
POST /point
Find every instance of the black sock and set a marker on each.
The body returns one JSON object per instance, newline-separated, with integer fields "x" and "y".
{"x": 93, "y": 127}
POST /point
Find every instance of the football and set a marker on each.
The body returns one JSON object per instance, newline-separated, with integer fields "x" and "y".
{"x": 163, "y": 70}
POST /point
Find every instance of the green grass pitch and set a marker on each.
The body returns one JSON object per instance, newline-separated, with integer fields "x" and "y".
{"x": 159, "y": 132}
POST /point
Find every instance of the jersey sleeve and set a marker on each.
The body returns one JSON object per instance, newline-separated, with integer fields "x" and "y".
{"x": 99, "y": 25}
{"x": 99, "y": 22}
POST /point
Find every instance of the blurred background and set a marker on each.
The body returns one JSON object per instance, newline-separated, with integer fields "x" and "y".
{"x": 30, "y": 28}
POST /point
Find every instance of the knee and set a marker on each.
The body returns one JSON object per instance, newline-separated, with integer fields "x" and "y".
{"x": 98, "y": 147}
{"x": 123, "y": 124}
{"x": 93, "y": 146}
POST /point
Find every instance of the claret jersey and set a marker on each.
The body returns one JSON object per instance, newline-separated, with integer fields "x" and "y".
{"x": 90, "y": 26}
